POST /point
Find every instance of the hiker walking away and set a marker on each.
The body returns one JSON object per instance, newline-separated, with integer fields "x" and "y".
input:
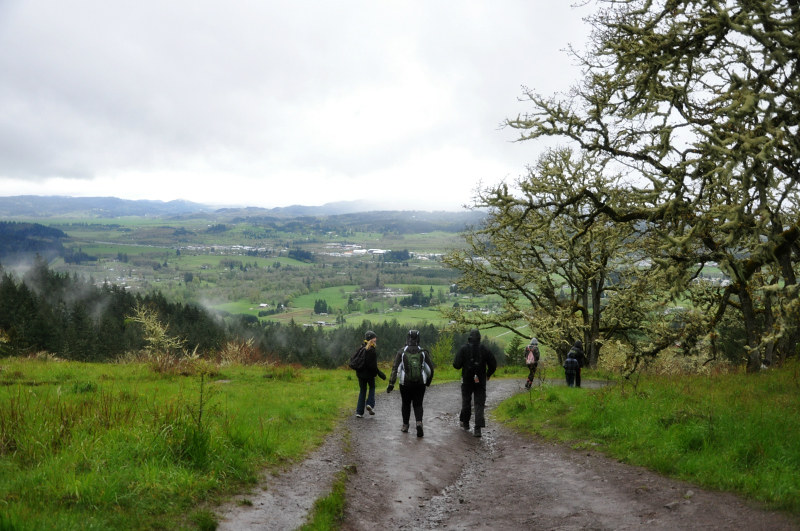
{"x": 413, "y": 369}
{"x": 571, "y": 368}
{"x": 477, "y": 364}
{"x": 531, "y": 360}
{"x": 366, "y": 375}
{"x": 577, "y": 349}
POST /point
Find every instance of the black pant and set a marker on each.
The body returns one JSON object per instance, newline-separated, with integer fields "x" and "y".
{"x": 411, "y": 394}
{"x": 570, "y": 375}
{"x": 531, "y": 371}
{"x": 470, "y": 389}
{"x": 578, "y": 377}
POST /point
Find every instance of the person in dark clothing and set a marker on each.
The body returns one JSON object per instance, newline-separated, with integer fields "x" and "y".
{"x": 413, "y": 369}
{"x": 531, "y": 360}
{"x": 577, "y": 350}
{"x": 571, "y": 368}
{"x": 366, "y": 376}
{"x": 477, "y": 364}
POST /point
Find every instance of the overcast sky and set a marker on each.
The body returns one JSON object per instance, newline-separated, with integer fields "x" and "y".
{"x": 266, "y": 103}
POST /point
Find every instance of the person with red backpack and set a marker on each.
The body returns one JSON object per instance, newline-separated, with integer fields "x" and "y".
{"x": 477, "y": 364}
{"x": 531, "y": 360}
{"x": 413, "y": 368}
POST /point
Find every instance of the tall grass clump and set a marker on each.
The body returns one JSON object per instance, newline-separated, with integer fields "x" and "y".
{"x": 125, "y": 446}
{"x": 730, "y": 431}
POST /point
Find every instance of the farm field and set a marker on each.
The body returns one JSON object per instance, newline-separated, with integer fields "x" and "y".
{"x": 275, "y": 271}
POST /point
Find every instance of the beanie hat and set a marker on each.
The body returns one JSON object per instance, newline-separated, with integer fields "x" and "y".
{"x": 369, "y": 335}
{"x": 534, "y": 342}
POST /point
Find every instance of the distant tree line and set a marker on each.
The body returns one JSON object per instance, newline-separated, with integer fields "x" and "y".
{"x": 72, "y": 318}
{"x": 397, "y": 256}
{"x": 320, "y": 306}
{"x": 29, "y": 238}
{"x": 301, "y": 255}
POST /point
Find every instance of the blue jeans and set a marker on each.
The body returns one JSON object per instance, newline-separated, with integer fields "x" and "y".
{"x": 363, "y": 384}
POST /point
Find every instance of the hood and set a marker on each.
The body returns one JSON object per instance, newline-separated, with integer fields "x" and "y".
{"x": 474, "y": 336}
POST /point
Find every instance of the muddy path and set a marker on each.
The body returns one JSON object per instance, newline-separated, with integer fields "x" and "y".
{"x": 449, "y": 479}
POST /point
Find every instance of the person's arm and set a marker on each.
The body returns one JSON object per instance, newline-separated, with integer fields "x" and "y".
{"x": 491, "y": 363}
{"x": 393, "y": 377}
{"x": 429, "y": 361}
{"x": 458, "y": 361}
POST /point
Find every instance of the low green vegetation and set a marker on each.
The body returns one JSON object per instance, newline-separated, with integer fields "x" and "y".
{"x": 119, "y": 446}
{"x": 731, "y": 432}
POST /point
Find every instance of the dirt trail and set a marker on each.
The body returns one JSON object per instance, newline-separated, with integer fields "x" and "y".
{"x": 449, "y": 479}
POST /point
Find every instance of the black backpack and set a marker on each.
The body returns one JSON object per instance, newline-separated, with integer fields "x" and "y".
{"x": 359, "y": 359}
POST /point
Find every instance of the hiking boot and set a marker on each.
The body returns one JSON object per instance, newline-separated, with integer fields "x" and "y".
{"x": 359, "y": 415}
{"x": 404, "y": 429}
{"x": 371, "y": 411}
{"x": 477, "y": 431}
{"x": 419, "y": 430}
{"x": 465, "y": 426}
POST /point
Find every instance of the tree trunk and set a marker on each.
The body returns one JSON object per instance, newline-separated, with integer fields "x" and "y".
{"x": 753, "y": 356}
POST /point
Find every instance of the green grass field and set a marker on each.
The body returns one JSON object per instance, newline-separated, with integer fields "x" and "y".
{"x": 113, "y": 446}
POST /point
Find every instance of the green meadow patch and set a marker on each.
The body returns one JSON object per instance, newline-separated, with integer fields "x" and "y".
{"x": 731, "y": 432}
{"x": 116, "y": 446}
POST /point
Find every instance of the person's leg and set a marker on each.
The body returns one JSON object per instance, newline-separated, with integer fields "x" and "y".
{"x": 479, "y": 392}
{"x": 466, "y": 404}
{"x": 405, "y": 404}
{"x": 480, "y": 405}
{"x": 578, "y": 377}
{"x": 362, "y": 392}
{"x": 418, "y": 397}
{"x": 371, "y": 395}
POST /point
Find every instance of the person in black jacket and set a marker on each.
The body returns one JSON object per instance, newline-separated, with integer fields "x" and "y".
{"x": 571, "y": 368}
{"x": 477, "y": 364}
{"x": 366, "y": 376}
{"x": 577, "y": 350}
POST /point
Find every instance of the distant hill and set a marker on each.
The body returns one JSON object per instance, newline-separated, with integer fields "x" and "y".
{"x": 384, "y": 221}
{"x": 30, "y": 207}
{"x": 27, "y": 239}
{"x": 39, "y": 207}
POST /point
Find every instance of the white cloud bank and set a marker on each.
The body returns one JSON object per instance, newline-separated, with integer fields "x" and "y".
{"x": 266, "y": 103}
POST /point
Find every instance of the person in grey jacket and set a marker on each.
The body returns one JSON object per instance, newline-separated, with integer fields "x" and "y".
{"x": 477, "y": 364}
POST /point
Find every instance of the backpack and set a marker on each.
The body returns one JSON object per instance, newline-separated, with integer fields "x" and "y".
{"x": 359, "y": 359}
{"x": 414, "y": 371}
{"x": 571, "y": 365}
{"x": 530, "y": 359}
